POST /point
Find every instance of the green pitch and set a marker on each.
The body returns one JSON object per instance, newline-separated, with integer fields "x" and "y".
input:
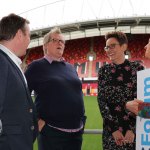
{"x": 94, "y": 121}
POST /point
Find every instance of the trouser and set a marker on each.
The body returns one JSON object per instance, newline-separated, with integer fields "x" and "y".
{"x": 14, "y": 142}
{"x": 53, "y": 139}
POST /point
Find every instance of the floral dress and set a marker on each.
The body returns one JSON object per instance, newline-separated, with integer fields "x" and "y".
{"x": 117, "y": 85}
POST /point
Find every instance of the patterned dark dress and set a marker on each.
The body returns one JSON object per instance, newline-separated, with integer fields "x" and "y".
{"x": 116, "y": 86}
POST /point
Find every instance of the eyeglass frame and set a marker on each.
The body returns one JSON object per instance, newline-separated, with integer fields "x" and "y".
{"x": 54, "y": 40}
{"x": 111, "y": 46}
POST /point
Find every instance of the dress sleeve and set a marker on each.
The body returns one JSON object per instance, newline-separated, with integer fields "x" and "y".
{"x": 108, "y": 118}
{"x": 136, "y": 67}
{"x": 140, "y": 67}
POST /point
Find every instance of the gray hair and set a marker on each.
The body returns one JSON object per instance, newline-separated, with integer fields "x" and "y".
{"x": 47, "y": 37}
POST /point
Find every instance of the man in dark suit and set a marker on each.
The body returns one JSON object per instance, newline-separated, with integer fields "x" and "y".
{"x": 18, "y": 125}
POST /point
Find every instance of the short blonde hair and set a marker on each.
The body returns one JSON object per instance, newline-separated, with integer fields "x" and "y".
{"x": 47, "y": 37}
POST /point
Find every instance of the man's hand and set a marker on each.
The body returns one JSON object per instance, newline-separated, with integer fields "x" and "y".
{"x": 41, "y": 124}
{"x": 133, "y": 105}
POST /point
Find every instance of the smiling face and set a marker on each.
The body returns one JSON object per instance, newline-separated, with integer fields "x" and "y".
{"x": 55, "y": 46}
{"x": 147, "y": 48}
{"x": 115, "y": 51}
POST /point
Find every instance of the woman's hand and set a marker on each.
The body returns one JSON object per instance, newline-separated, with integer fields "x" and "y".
{"x": 129, "y": 137}
{"x": 119, "y": 138}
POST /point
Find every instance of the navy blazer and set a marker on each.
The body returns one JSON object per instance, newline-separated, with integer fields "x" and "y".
{"x": 18, "y": 122}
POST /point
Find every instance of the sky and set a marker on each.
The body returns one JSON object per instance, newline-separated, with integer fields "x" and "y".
{"x": 48, "y": 13}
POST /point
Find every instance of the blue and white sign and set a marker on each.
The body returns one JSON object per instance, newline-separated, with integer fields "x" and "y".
{"x": 142, "y": 124}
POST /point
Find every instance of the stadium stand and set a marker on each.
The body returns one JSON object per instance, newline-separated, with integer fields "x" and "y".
{"x": 77, "y": 51}
{"x": 33, "y": 54}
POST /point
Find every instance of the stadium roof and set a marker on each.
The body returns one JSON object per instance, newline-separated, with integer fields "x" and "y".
{"x": 48, "y": 13}
{"x": 81, "y": 18}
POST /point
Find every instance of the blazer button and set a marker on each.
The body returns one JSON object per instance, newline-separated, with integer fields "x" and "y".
{"x": 30, "y": 110}
{"x": 32, "y": 127}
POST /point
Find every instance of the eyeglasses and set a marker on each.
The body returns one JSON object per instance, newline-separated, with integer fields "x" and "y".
{"x": 57, "y": 41}
{"x": 111, "y": 46}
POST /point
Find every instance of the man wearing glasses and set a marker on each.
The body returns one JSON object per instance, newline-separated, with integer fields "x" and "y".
{"x": 116, "y": 86}
{"x": 59, "y": 98}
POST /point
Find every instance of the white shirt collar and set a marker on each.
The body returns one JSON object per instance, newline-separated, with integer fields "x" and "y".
{"x": 14, "y": 58}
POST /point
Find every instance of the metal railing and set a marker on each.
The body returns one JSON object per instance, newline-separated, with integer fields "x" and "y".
{"x": 93, "y": 131}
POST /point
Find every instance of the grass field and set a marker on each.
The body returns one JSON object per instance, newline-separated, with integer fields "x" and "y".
{"x": 94, "y": 121}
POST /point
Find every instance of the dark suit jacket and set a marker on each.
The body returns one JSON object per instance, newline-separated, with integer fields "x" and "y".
{"x": 17, "y": 112}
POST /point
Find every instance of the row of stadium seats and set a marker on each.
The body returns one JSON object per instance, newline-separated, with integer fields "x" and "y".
{"x": 77, "y": 50}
